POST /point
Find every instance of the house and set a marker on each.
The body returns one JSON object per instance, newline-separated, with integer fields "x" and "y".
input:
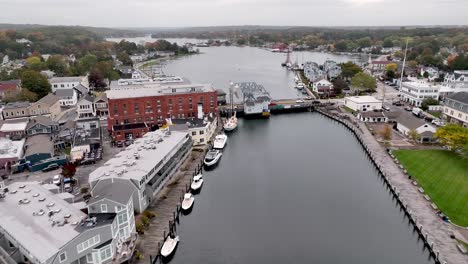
{"x": 67, "y": 82}
{"x": 415, "y": 92}
{"x": 362, "y": 103}
{"x": 41, "y": 125}
{"x": 48, "y": 105}
{"x": 407, "y": 123}
{"x": 379, "y": 65}
{"x": 136, "y": 75}
{"x": 82, "y": 90}
{"x": 145, "y": 166}
{"x": 45, "y": 227}
{"x": 101, "y": 105}
{"x": 433, "y": 73}
{"x": 323, "y": 87}
{"x": 372, "y": 117}
{"x": 456, "y": 77}
{"x": 9, "y": 88}
{"x": 67, "y": 97}
{"x": 332, "y": 69}
{"x": 10, "y": 152}
{"x": 38, "y": 148}
{"x": 200, "y": 130}
{"x": 48, "y": 73}
{"x": 125, "y": 71}
{"x": 312, "y": 72}
{"x": 456, "y": 108}
{"x": 16, "y": 110}
{"x": 14, "y": 128}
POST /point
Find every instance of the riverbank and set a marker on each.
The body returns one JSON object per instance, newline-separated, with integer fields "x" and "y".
{"x": 436, "y": 233}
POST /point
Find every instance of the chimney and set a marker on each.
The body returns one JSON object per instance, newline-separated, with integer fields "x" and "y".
{"x": 200, "y": 111}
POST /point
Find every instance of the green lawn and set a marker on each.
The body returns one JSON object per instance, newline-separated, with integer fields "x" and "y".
{"x": 444, "y": 177}
{"x": 436, "y": 114}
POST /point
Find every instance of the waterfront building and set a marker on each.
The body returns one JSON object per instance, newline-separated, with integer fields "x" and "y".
{"x": 67, "y": 82}
{"x": 256, "y": 99}
{"x": 323, "y": 87}
{"x": 407, "y": 123}
{"x": 455, "y": 108}
{"x": 201, "y": 130}
{"x": 41, "y": 226}
{"x": 157, "y": 80}
{"x": 372, "y": 117}
{"x": 67, "y": 97}
{"x": 378, "y": 66}
{"x": 312, "y": 72}
{"x": 415, "y": 92}
{"x": 134, "y": 109}
{"x": 362, "y": 103}
{"x": 332, "y": 69}
{"x": 144, "y": 167}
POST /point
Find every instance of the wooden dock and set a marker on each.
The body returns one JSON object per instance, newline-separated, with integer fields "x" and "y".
{"x": 167, "y": 207}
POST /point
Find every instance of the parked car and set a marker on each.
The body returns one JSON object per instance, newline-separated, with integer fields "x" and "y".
{"x": 386, "y": 108}
{"x": 392, "y": 84}
{"x": 397, "y": 103}
{"x": 407, "y": 108}
{"x": 57, "y": 180}
{"x": 51, "y": 167}
{"x": 119, "y": 144}
{"x": 67, "y": 187}
{"x": 308, "y": 98}
{"x": 128, "y": 142}
{"x": 300, "y": 101}
{"x": 87, "y": 162}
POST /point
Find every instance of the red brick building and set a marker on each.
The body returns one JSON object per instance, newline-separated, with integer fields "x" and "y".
{"x": 9, "y": 88}
{"x": 134, "y": 109}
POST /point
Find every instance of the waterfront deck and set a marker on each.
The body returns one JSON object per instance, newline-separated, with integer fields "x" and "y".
{"x": 165, "y": 206}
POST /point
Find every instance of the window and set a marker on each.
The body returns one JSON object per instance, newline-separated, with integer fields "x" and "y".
{"x": 122, "y": 218}
{"x": 202, "y": 132}
{"x": 106, "y": 253}
{"x": 89, "y": 258}
{"x": 63, "y": 256}
{"x": 88, "y": 243}
{"x": 202, "y": 140}
{"x": 136, "y": 107}
{"x": 169, "y": 101}
{"x": 103, "y": 208}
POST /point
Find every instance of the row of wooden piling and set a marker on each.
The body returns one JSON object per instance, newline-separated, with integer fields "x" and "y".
{"x": 393, "y": 189}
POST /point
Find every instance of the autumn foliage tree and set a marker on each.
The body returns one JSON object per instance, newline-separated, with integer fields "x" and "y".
{"x": 454, "y": 136}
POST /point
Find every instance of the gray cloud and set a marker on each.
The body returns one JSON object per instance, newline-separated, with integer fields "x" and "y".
{"x": 166, "y": 13}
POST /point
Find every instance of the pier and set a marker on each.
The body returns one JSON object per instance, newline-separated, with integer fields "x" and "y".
{"x": 277, "y": 106}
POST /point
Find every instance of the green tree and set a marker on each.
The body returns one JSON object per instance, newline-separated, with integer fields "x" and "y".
{"x": 426, "y": 74}
{"x": 125, "y": 59}
{"x": 24, "y": 95}
{"x": 106, "y": 68}
{"x": 341, "y": 45}
{"x": 453, "y": 136}
{"x": 349, "y": 69}
{"x": 363, "y": 81}
{"x": 427, "y": 102}
{"x": 339, "y": 85}
{"x": 388, "y": 43}
{"x": 364, "y": 42}
{"x": 35, "y": 82}
{"x": 57, "y": 64}
{"x": 414, "y": 135}
{"x": 34, "y": 63}
{"x": 460, "y": 62}
{"x": 86, "y": 63}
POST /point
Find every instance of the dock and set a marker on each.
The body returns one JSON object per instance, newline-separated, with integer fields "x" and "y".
{"x": 278, "y": 106}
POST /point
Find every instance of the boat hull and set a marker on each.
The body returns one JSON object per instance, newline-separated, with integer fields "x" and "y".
{"x": 196, "y": 186}
{"x": 187, "y": 205}
{"x": 169, "y": 247}
{"x": 212, "y": 162}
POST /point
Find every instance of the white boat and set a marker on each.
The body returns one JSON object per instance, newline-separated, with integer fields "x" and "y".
{"x": 212, "y": 157}
{"x": 220, "y": 141}
{"x": 231, "y": 123}
{"x": 187, "y": 203}
{"x": 169, "y": 246}
{"x": 197, "y": 182}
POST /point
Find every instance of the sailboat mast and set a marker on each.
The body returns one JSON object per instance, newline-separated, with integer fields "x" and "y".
{"x": 404, "y": 62}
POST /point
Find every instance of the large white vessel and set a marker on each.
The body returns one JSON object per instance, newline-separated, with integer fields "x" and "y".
{"x": 231, "y": 122}
{"x": 220, "y": 141}
{"x": 212, "y": 157}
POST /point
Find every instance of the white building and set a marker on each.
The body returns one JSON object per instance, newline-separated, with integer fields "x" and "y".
{"x": 68, "y": 97}
{"x": 85, "y": 108}
{"x": 407, "y": 123}
{"x": 200, "y": 130}
{"x": 39, "y": 225}
{"x": 456, "y": 108}
{"x": 67, "y": 82}
{"x": 415, "y": 92}
{"x": 332, "y": 69}
{"x": 456, "y": 77}
{"x": 322, "y": 87}
{"x": 145, "y": 166}
{"x": 362, "y": 103}
{"x": 136, "y": 75}
{"x": 312, "y": 71}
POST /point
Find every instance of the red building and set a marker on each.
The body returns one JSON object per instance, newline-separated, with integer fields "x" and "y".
{"x": 9, "y": 88}
{"x": 134, "y": 109}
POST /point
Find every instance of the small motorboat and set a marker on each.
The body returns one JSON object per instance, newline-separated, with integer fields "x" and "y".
{"x": 220, "y": 141}
{"x": 197, "y": 182}
{"x": 212, "y": 157}
{"x": 169, "y": 246}
{"x": 187, "y": 203}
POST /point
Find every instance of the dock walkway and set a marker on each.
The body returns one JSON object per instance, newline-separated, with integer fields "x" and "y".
{"x": 435, "y": 231}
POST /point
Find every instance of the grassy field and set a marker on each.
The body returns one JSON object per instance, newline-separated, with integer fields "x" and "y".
{"x": 444, "y": 177}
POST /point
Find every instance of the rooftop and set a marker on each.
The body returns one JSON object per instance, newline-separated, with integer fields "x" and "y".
{"x": 66, "y": 79}
{"x": 138, "y": 159}
{"x": 11, "y": 149}
{"x": 38, "y": 219}
{"x": 187, "y": 123}
{"x": 14, "y": 126}
{"x": 147, "y": 90}
{"x": 119, "y": 192}
{"x": 39, "y": 144}
{"x": 65, "y": 92}
{"x": 49, "y": 99}
{"x": 19, "y": 104}
{"x": 43, "y": 120}
{"x": 363, "y": 99}
{"x": 409, "y": 120}
{"x": 461, "y": 97}
{"x": 9, "y": 85}
{"x": 419, "y": 85}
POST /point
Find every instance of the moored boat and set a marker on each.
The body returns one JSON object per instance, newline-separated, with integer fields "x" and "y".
{"x": 212, "y": 157}
{"x": 220, "y": 141}
{"x": 187, "y": 203}
{"x": 196, "y": 182}
{"x": 169, "y": 246}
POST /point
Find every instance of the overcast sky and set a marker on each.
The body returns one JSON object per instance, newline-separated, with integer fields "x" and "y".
{"x": 182, "y": 13}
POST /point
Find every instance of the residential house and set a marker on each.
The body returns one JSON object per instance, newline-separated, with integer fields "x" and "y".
{"x": 67, "y": 97}
{"x": 86, "y": 118}
{"x": 48, "y": 73}
{"x": 379, "y": 65}
{"x": 14, "y": 128}
{"x": 48, "y": 105}
{"x": 82, "y": 90}
{"x": 407, "y": 124}
{"x": 9, "y": 88}
{"x": 323, "y": 87}
{"x": 415, "y": 92}
{"x": 332, "y": 69}
{"x": 372, "y": 117}
{"x": 456, "y": 77}
{"x": 16, "y": 110}
{"x": 456, "y": 108}
{"x": 125, "y": 71}
{"x": 363, "y": 103}
{"x": 200, "y": 130}
{"x": 101, "y": 105}
{"x": 433, "y": 73}
{"x": 136, "y": 75}
{"x": 312, "y": 72}
{"x": 10, "y": 152}
{"x": 44, "y": 227}
{"x": 41, "y": 125}
{"x": 145, "y": 166}
{"x": 67, "y": 82}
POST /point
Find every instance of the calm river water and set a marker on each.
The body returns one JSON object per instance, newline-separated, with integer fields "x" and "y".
{"x": 296, "y": 188}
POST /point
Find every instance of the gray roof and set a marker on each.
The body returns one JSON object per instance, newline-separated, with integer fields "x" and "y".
{"x": 19, "y": 104}
{"x": 409, "y": 120}
{"x": 81, "y": 89}
{"x": 102, "y": 96}
{"x": 372, "y": 114}
{"x": 49, "y": 99}
{"x": 66, "y": 79}
{"x": 461, "y": 97}
{"x": 64, "y": 92}
{"x": 39, "y": 144}
{"x": 88, "y": 98}
{"x": 189, "y": 123}
{"x": 117, "y": 191}
{"x": 43, "y": 120}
